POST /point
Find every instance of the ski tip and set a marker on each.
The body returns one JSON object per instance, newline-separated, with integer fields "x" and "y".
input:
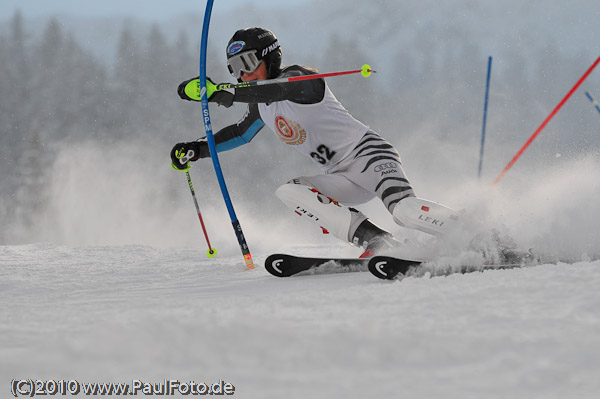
{"x": 388, "y": 268}
{"x": 273, "y": 265}
{"x": 379, "y": 267}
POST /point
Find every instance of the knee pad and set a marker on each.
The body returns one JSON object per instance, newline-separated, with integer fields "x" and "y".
{"x": 426, "y": 216}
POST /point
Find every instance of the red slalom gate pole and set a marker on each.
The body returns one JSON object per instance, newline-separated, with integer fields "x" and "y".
{"x": 543, "y": 125}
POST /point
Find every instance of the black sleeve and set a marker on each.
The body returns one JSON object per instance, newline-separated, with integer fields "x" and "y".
{"x": 302, "y": 92}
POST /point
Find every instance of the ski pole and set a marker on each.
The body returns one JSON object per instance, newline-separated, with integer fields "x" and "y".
{"x": 237, "y": 228}
{"x": 543, "y": 125}
{"x": 211, "y": 253}
{"x": 364, "y": 71}
{"x": 594, "y": 102}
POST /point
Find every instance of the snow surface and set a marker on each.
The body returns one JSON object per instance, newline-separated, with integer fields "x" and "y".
{"x": 123, "y": 312}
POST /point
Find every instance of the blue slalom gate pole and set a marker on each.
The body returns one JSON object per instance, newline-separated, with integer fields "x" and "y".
{"x": 594, "y": 102}
{"x": 211, "y": 141}
{"x": 485, "y": 108}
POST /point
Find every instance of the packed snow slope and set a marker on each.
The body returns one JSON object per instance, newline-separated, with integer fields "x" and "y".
{"x": 103, "y": 272}
{"x": 121, "y": 313}
{"x": 108, "y": 296}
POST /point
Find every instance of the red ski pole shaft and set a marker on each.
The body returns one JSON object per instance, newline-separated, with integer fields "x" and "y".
{"x": 211, "y": 251}
{"x": 365, "y": 71}
{"x": 325, "y": 75}
{"x": 543, "y": 125}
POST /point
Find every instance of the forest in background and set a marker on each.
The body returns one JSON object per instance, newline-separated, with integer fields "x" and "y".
{"x": 59, "y": 101}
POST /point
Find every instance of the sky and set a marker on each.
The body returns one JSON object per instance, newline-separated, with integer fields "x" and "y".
{"x": 154, "y": 9}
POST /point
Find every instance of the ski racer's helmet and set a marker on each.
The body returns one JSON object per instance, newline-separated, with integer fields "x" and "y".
{"x": 248, "y": 47}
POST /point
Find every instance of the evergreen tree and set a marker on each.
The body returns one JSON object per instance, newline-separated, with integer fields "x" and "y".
{"x": 352, "y": 90}
{"x": 16, "y": 79}
{"x": 31, "y": 191}
{"x": 126, "y": 84}
{"x": 159, "y": 84}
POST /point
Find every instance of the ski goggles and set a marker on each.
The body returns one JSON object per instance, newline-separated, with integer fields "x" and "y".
{"x": 246, "y": 62}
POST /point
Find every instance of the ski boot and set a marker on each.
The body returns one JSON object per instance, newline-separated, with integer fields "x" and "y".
{"x": 373, "y": 239}
{"x": 513, "y": 256}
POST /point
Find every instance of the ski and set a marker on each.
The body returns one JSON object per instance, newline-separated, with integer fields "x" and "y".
{"x": 283, "y": 265}
{"x": 387, "y": 267}
{"x": 391, "y": 268}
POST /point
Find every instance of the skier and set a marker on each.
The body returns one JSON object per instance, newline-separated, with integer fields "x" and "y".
{"x": 358, "y": 163}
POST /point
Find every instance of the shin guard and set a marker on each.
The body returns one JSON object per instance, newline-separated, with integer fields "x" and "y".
{"x": 329, "y": 214}
{"x": 427, "y": 216}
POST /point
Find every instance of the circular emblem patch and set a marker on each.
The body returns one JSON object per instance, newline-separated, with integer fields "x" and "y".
{"x": 289, "y": 132}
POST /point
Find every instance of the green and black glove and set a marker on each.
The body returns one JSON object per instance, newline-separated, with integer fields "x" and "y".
{"x": 190, "y": 90}
{"x": 183, "y": 153}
